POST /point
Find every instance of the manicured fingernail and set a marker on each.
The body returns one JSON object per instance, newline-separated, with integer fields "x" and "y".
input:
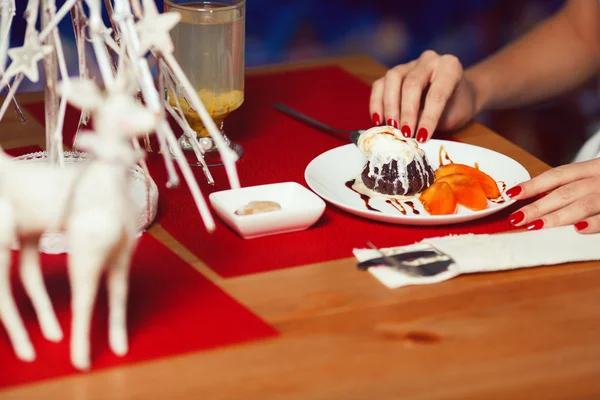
{"x": 376, "y": 119}
{"x": 392, "y": 122}
{"x": 581, "y": 225}
{"x": 514, "y": 191}
{"x": 535, "y": 225}
{"x": 405, "y": 131}
{"x": 422, "y": 135}
{"x": 516, "y": 217}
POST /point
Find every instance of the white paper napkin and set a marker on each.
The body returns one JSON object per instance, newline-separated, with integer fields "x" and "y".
{"x": 486, "y": 253}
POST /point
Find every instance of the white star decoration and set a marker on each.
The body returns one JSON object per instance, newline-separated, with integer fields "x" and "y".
{"x": 25, "y": 58}
{"x": 154, "y": 28}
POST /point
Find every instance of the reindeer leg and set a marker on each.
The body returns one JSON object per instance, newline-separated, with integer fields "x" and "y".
{"x": 118, "y": 276}
{"x": 91, "y": 237}
{"x": 33, "y": 281}
{"x": 9, "y": 315}
{"x": 85, "y": 267}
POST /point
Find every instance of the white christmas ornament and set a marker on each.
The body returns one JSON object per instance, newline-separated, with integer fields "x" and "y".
{"x": 154, "y": 29}
{"x": 25, "y": 58}
{"x": 90, "y": 203}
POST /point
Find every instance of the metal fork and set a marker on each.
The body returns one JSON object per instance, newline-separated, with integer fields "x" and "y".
{"x": 402, "y": 262}
{"x": 353, "y": 134}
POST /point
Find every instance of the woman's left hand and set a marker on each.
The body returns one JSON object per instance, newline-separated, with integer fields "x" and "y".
{"x": 574, "y": 198}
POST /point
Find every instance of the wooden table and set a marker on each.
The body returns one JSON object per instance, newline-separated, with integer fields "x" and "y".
{"x": 523, "y": 334}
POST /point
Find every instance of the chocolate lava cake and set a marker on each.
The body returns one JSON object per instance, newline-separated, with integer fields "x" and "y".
{"x": 395, "y": 165}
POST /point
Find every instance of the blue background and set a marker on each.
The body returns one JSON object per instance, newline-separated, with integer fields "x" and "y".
{"x": 389, "y": 31}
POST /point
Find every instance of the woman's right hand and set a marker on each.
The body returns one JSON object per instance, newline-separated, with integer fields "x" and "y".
{"x": 426, "y": 94}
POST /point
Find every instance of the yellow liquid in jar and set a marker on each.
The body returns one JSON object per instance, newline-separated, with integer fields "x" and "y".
{"x": 218, "y": 105}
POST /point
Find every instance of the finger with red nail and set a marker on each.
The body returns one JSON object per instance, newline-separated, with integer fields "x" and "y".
{"x": 422, "y": 96}
{"x": 573, "y": 198}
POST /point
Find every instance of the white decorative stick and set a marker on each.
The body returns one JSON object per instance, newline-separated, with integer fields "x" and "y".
{"x": 10, "y": 95}
{"x": 31, "y": 12}
{"x": 100, "y": 51}
{"x": 18, "y": 110}
{"x": 177, "y": 112}
{"x": 55, "y": 113}
{"x": 78, "y": 19}
{"x": 109, "y": 10}
{"x": 145, "y": 80}
{"x": 190, "y": 179}
{"x": 53, "y": 149}
{"x": 137, "y": 8}
{"x": 111, "y": 43}
{"x": 179, "y": 117}
{"x": 228, "y": 156}
{"x": 60, "y": 55}
{"x": 154, "y": 31}
{"x": 209, "y": 178}
{"x": 59, "y": 15}
{"x": 151, "y": 96}
{"x": 7, "y": 14}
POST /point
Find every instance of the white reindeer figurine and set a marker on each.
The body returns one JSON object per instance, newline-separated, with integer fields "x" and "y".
{"x": 91, "y": 203}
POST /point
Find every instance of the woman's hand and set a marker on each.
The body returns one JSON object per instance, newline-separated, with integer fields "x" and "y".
{"x": 428, "y": 93}
{"x": 575, "y": 198}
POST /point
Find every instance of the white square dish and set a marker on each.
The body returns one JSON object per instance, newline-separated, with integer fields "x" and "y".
{"x": 300, "y": 208}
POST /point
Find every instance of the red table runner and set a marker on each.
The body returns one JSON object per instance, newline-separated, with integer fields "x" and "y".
{"x": 173, "y": 309}
{"x": 277, "y": 149}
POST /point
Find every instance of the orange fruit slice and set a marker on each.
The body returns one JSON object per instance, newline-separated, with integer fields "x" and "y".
{"x": 467, "y": 190}
{"x": 439, "y": 199}
{"x": 488, "y": 184}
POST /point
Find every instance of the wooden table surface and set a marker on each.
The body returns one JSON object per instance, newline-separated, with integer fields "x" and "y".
{"x": 529, "y": 334}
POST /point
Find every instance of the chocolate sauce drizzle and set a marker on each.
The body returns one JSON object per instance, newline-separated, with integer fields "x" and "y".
{"x": 503, "y": 184}
{"x": 397, "y": 205}
{"x": 443, "y": 155}
{"x": 412, "y": 206}
{"x": 400, "y": 206}
{"x": 363, "y": 197}
{"x": 500, "y": 198}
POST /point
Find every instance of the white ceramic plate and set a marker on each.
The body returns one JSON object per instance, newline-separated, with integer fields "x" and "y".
{"x": 328, "y": 173}
{"x": 300, "y": 208}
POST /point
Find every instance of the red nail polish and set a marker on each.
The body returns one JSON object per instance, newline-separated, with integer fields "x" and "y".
{"x": 376, "y": 119}
{"x": 581, "y": 225}
{"x": 422, "y": 135}
{"x": 392, "y": 122}
{"x": 406, "y": 131}
{"x": 535, "y": 225}
{"x": 512, "y": 192}
{"x": 516, "y": 217}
